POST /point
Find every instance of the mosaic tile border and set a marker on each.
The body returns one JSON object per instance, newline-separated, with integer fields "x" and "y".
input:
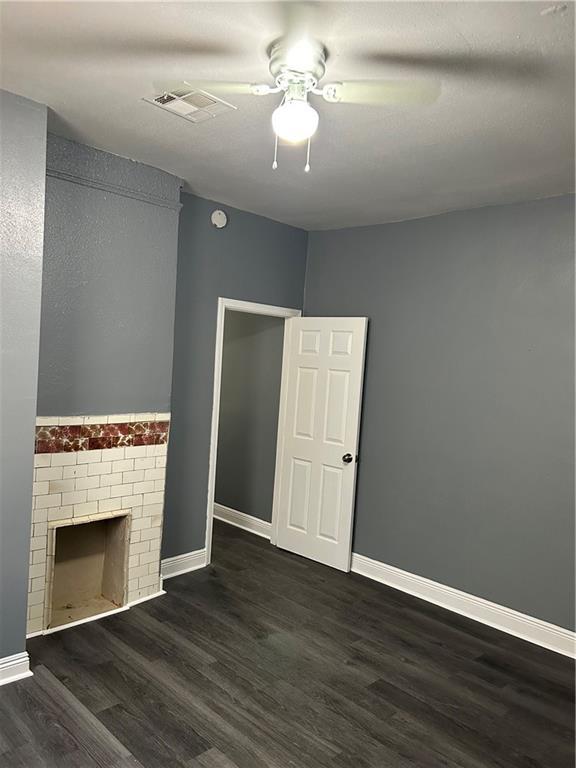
{"x": 89, "y": 433}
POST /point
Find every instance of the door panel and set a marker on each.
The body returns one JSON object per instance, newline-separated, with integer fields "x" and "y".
{"x": 336, "y": 407}
{"x": 330, "y": 502}
{"x": 305, "y": 402}
{"x": 299, "y": 495}
{"x": 321, "y": 394}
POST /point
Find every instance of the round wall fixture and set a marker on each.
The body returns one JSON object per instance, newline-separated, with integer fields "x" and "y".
{"x": 219, "y": 219}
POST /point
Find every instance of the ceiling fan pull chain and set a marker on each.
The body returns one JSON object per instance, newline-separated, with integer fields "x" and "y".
{"x": 275, "y": 162}
{"x": 307, "y": 166}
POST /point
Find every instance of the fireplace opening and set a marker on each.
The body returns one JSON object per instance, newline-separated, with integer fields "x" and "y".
{"x": 90, "y": 563}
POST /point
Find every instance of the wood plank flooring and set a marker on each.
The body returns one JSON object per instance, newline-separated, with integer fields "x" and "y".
{"x": 266, "y": 660}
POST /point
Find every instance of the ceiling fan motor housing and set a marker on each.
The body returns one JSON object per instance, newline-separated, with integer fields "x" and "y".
{"x": 300, "y": 63}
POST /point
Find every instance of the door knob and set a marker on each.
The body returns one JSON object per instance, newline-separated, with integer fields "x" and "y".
{"x": 347, "y": 458}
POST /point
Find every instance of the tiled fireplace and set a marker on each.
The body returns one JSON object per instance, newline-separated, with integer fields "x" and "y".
{"x": 98, "y": 503}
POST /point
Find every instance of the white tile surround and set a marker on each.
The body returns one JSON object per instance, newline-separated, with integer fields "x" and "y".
{"x": 114, "y": 418}
{"x": 88, "y": 485}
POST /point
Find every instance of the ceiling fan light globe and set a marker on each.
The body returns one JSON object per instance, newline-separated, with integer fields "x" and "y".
{"x": 295, "y": 121}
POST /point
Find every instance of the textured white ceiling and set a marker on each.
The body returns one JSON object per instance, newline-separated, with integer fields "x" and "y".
{"x": 502, "y": 130}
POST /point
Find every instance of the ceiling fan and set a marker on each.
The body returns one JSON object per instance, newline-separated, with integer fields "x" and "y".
{"x": 297, "y": 64}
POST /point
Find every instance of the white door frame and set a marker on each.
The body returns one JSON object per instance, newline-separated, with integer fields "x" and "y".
{"x": 249, "y": 307}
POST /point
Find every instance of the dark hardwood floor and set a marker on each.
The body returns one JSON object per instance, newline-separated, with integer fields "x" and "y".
{"x": 267, "y": 660}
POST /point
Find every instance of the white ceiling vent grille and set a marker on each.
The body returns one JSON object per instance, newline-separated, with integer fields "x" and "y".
{"x": 192, "y": 104}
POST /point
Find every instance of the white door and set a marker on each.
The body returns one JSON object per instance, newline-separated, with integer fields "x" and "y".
{"x": 318, "y": 437}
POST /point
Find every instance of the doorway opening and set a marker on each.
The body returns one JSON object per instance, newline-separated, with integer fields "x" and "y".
{"x": 249, "y": 360}
{"x": 316, "y": 393}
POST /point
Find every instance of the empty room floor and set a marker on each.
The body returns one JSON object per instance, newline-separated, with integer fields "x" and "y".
{"x": 265, "y": 659}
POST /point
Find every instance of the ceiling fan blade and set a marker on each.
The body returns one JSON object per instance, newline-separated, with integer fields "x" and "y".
{"x": 212, "y": 86}
{"x": 496, "y": 64}
{"x": 90, "y": 45}
{"x": 383, "y": 92}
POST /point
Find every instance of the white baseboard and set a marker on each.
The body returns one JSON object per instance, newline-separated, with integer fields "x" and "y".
{"x": 145, "y": 599}
{"x": 96, "y": 616}
{"x": 85, "y": 620}
{"x": 15, "y": 667}
{"x": 498, "y": 616}
{"x": 241, "y": 520}
{"x": 175, "y": 566}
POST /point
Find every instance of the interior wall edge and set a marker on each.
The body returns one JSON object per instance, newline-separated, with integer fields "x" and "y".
{"x": 448, "y": 212}
{"x": 116, "y": 189}
{"x": 83, "y": 164}
{"x": 15, "y": 667}
{"x": 22, "y": 220}
{"x": 242, "y": 520}
{"x": 189, "y": 561}
{"x": 530, "y": 628}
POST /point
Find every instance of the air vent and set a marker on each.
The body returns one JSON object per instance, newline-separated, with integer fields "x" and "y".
{"x": 193, "y": 105}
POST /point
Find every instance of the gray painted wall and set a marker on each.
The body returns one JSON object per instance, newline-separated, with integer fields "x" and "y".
{"x": 22, "y": 167}
{"x": 108, "y": 285}
{"x": 466, "y": 471}
{"x": 249, "y": 405}
{"x": 254, "y": 259}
